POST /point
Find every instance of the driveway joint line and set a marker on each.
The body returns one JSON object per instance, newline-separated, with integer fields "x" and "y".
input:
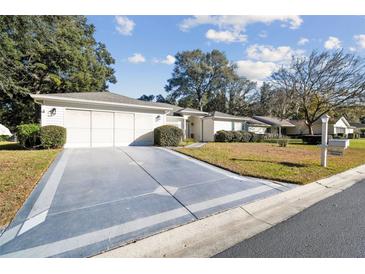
{"x": 99, "y": 204}
{"x": 252, "y": 215}
{"x": 161, "y": 185}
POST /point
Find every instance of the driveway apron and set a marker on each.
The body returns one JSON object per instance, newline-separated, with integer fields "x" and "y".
{"x": 93, "y": 200}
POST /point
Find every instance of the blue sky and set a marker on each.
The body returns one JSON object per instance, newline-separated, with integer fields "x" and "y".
{"x": 144, "y": 46}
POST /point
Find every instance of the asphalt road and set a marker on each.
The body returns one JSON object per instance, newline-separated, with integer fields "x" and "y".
{"x": 334, "y": 227}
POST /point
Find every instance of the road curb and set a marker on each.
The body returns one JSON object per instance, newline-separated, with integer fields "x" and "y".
{"x": 214, "y": 234}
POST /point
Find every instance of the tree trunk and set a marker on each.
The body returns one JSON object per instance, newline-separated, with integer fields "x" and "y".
{"x": 310, "y": 128}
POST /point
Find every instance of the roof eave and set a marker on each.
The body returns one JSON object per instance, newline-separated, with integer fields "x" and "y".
{"x": 53, "y": 98}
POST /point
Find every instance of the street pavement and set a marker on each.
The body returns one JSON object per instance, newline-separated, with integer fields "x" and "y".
{"x": 334, "y": 227}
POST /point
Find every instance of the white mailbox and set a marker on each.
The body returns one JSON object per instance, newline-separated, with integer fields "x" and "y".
{"x": 341, "y": 143}
{"x": 337, "y": 146}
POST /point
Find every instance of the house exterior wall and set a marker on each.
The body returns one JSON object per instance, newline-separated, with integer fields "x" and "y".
{"x": 238, "y": 126}
{"x": 175, "y": 121}
{"x": 196, "y": 127}
{"x": 56, "y": 119}
{"x": 222, "y": 125}
{"x": 341, "y": 127}
{"x": 208, "y": 130}
{"x": 256, "y": 129}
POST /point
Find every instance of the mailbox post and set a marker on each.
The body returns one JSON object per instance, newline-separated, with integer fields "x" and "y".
{"x": 324, "y": 119}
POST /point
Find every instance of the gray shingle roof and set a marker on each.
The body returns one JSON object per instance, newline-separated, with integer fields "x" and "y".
{"x": 249, "y": 120}
{"x": 357, "y": 125}
{"x": 106, "y": 97}
{"x": 274, "y": 121}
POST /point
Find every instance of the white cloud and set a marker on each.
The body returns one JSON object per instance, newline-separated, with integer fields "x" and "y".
{"x": 255, "y": 71}
{"x": 360, "y": 40}
{"x": 332, "y": 43}
{"x": 239, "y": 22}
{"x": 169, "y": 60}
{"x": 231, "y": 28}
{"x": 225, "y": 36}
{"x": 136, "y": 58}
{"x": 352, "y": 49}
{"x": 302, "y": 41}
{"x": 268, "y": 53}
{"x": 125, "y": 25}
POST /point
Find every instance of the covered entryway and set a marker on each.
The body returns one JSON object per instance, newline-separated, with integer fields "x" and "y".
{"x": 91, "y": 128}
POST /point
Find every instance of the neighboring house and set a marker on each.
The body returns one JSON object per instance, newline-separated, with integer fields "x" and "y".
{"x": 277, "y": 125}
{"x": 335, "y": 126}
{"x": 222, "y": 121}
{"x": 102, "y": 119}
{"x": 359, "y": 128}
{"x": 4, "y": 131}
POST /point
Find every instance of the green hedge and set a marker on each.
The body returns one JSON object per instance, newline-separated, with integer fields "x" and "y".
{"x": 52, "y": 136}
{"x": 234, "y": 136}
{"x": 28, "y": 135}
{"x": 169, "y": 136}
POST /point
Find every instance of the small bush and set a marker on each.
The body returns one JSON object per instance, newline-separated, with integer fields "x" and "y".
{"x": 237, "y": 136}
{"x": 167, "y": 135}
{"x": 28, "y": 135}
{"x": 354, "y": 135}
{"x": 52, "y": 136}
{"x": 223, "y": 136}
{"x": 312, "y": 139}
{"x": 283, "y": 142}
{"x": 255, "y": 138}
{"x": 246, "y": 136}
{"x": 4, "y": 138}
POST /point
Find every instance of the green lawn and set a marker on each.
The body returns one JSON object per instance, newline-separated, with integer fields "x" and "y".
{"x": 20, "y": 170}
{"x": 298, "y": 164}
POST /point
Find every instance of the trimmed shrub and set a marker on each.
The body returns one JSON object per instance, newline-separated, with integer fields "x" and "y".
{"x": 167, "y": 136}
{"x": 223, "y": 136}
{"x": 52, "y": 136}
{"x": 283, "y": 142}
{"x": 254, "y": 137}
{"x": 28, "y": 135}
{"x": 4, "y": 138}
{"x": 246, "y": 136}
{"x": 237, "y": 136}
{"x": 312, "y": 139}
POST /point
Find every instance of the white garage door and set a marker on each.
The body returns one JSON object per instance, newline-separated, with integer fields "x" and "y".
{"x": 102, "y": 131}
{"x": 106, "y": 129}
{"x": 144, "y": 129}
{"x": 77, "y": 123}
{"x": 124, "y": 129}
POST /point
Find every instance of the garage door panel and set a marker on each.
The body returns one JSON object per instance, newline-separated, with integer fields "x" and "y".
{"x": 144, "y": 129}
{"x": 124, "y": 129}
{"x": 102, "y": 129}
{"x": 77, "y": 124}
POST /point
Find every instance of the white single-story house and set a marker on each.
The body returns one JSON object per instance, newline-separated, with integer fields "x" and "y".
{"x": 102, "y": 119}
{"x": 222, "y": 121}
{"x": 335, "y": 126}
{"x": 277, "y": 125}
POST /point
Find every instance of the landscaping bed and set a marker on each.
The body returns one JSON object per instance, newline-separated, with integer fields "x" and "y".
{"x": 296, "y": 163}
{"x": 20, "y": 171}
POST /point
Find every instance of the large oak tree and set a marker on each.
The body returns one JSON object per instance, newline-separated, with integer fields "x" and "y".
{"x": 322, "y": 82}
{"x": 48, "y": 54}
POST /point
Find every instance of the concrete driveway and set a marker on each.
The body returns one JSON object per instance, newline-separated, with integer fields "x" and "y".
{"x": 93, "y": 200}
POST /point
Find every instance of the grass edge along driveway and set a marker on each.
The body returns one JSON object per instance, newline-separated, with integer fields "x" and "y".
{"x": 20, "y": 171}
{"x": 299, "y": 164}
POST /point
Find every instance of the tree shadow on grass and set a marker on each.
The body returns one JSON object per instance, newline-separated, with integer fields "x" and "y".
{"x": 11, "y": 146}
{"x": 288, "y": 164}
